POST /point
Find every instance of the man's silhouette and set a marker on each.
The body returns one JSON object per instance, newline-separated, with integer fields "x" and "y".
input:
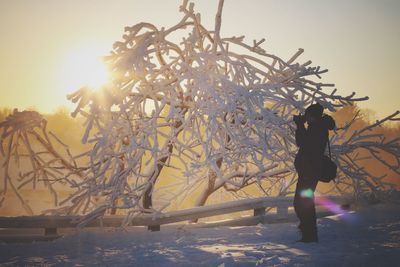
{"x": 308, "y": 163}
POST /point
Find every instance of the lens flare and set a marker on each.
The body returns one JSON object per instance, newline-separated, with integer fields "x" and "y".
{"x": 329, "y": 205}
{"x": 335, "y": 208}
{"x": 307, "y": 193}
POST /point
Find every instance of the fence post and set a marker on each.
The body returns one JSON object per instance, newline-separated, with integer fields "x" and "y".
{"x": 50, "y": 231}
{"x": 282, "y": 211}
{"x": 259, "y": 211}
{"x": 153, "y": 228}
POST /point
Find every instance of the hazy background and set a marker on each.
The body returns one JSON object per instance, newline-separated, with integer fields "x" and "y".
{"x": 357, "y": 40}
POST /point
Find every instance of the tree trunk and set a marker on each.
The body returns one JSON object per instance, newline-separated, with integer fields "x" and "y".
{"x": 212, "y": 176}
{"x": 148, "y": 198}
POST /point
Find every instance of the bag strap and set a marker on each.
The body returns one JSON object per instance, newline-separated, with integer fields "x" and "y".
{"x": 329, "y": 147}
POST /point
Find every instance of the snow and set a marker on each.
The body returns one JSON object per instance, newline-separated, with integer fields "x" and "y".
{"x": 369, "y": 236}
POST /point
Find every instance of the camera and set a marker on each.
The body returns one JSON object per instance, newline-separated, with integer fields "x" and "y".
{"x": 299, "y": 119}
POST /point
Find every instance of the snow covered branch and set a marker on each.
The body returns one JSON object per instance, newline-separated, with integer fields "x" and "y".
{"x": 26, "y": 141}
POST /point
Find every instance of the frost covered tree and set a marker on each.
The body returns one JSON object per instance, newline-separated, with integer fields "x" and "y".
{"x": 215, "y": 108}
{"x": 32, "y": 155}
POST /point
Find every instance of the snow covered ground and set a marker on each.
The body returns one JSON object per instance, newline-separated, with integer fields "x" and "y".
{"x": 367, "y": 237}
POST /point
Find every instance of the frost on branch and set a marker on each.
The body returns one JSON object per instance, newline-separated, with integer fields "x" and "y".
{"x": 25, "y": 141}
{"x": 214, "y": 108}
{"x": 351, "y": 147}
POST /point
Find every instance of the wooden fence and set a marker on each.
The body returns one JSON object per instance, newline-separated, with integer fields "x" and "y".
{"x": 50, "y": 224}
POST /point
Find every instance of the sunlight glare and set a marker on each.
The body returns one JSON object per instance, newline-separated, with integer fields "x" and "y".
{"x": 84, "y": 68}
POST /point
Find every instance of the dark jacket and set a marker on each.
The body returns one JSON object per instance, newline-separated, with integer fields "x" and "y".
{"x": 312, "y": 143}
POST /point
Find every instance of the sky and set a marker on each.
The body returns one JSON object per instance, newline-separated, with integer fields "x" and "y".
{"x": 47, "y": 46}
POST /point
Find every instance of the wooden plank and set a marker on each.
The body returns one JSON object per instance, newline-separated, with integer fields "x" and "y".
{"x": 254, "y": 220}
{"x": 148, "y": 219}
{"x": 153, "y": 219}
{"x": 211, "y": 210}
{"x": 218, "y": 209}
{"x": 251, "y": 220}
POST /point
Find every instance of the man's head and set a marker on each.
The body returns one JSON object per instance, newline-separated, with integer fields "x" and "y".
{"x": 314, "y": 112}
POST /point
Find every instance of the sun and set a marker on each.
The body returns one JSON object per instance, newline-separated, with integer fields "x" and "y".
{"x": 84, "y": 67}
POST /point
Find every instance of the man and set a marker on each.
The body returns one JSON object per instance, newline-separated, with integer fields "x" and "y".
{"x": 308, "y": 163}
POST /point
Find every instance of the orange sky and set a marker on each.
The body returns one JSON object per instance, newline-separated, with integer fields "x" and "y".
{"x": 357, "y": 40}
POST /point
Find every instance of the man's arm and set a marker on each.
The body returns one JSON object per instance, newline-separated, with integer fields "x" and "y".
{"x": 300, "y": 135}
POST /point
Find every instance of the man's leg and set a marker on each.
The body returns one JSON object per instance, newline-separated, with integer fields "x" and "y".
{"x": 304, "y": 207}
{"x": 310, "y": 219}
{"x": 298, "y": 203}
